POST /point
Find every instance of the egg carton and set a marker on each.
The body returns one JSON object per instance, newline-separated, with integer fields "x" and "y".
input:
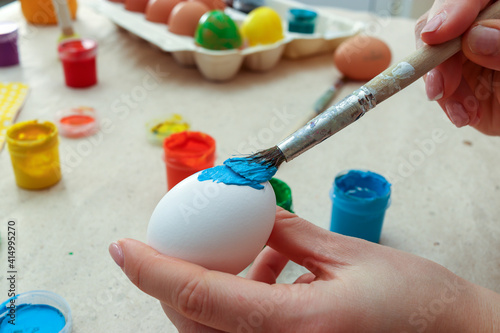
{"x": 223, "y": 65}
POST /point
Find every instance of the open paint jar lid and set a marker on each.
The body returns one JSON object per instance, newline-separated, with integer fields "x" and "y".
{"x": 77, "y": 49}
{"x": 36, "y": 311}
{"x": 159, "y": 129}
{"x": 77, "y": 122}
{"x": 8, "y": 31}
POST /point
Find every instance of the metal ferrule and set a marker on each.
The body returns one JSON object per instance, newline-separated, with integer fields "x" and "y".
{"x": 328, "y": 123}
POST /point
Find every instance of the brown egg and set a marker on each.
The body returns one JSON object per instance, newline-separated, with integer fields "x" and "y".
{"x": 184, "y": 17}
{"x": 362, "y": 57}
{"x": 136, "y": 5}
{"x": 213, "y": 4}
{"x": 159, "y": 10}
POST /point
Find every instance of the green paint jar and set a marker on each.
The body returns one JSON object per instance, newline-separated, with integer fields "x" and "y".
{"x": 283, "y": 194}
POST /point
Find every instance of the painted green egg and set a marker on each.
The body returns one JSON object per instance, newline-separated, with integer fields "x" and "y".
{"x": 217, "y": 31}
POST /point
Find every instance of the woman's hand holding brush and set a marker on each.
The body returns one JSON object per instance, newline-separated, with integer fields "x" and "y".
{"x": 466, "y": 86}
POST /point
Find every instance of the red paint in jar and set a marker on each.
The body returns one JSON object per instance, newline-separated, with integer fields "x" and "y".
{"x": 187, "y": 153}
{"x": 78, "y": 57}
{"x": 77, "y": 120}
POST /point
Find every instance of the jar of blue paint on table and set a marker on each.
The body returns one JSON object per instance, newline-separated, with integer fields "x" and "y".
{"x": 360, "y": 199}
{"x": 246, "y": 6}
{"x": 9, "y": 54}
{"x": 302, "y": 20}
{"x": 36, "y": 311}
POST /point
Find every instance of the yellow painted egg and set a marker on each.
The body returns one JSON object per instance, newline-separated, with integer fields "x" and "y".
{"x": 262, "y": 26}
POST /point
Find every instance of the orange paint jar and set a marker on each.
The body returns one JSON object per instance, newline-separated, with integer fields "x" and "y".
{"x": 33, "y": 148}
{"x": 43, "y": 12}
{"x": 187, "y": 153}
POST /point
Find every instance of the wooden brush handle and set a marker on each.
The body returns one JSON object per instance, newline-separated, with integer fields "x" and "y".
{"x": 413, "y": 67}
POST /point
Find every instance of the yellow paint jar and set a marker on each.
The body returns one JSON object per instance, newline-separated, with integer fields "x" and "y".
{"x": 43, "y": 12}
{"x": 33, "y": 148}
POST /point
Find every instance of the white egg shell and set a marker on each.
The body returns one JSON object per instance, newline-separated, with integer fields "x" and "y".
{"x": 220, "y": 227}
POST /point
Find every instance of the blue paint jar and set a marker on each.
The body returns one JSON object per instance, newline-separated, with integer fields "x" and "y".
{"x": 360, "y": 199}
{"x": 246, "y": 6}
{"x": 36, "y": 311}
{"x": 302, "y": 20}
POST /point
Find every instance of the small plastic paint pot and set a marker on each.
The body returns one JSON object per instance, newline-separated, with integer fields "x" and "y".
{"x": 8, "y": 44}
{"x": 302, "y": 20}
{"x": 36, "y": 311}
{"x": 78, "y": 57}
{"x": 246, "y": 6}
{"x": 43, "y": 11}
{"x": 77, "y": 122}
{"x": 360, "y": 199}
{"x": 159, "y": 129}
{"x": 283, "y": 194}
{"x": 187, "y": 153}
{"x": 33, "y": 148}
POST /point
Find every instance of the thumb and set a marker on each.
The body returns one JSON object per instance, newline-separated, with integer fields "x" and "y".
{"x": 481, "y": 44}
{"x": 448, "y": 19}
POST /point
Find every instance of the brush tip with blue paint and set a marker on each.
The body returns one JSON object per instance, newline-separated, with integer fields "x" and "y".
{"x": 242, "y": 171}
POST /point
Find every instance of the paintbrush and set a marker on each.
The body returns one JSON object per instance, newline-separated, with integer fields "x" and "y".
{"x": 354, "y": 106}
{"x": 64, "y": 19}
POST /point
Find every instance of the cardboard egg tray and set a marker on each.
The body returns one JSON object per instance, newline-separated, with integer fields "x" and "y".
{"x": 330, "y": 31}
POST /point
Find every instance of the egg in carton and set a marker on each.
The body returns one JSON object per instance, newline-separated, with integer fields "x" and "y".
{"x": 222, "y": 65}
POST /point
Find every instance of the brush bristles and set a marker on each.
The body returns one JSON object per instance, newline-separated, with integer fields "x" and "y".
{"x": 272, "y": 157}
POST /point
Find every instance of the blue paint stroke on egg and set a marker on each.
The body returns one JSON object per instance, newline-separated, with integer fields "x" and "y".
{"x": 239, "y": 171}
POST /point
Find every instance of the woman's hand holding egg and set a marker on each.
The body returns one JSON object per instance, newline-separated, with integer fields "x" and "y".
{"x": 353, "y": 286}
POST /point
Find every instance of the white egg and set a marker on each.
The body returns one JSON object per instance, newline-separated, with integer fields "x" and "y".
{"x": 220, "y": 227}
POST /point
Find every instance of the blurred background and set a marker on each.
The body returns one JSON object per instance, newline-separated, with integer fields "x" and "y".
{"x": 405, "y": 8}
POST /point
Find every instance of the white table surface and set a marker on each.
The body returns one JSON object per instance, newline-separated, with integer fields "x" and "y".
{"x": 445, "y": 199}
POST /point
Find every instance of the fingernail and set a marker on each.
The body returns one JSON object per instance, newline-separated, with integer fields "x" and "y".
{"x": 484, "y": 40}
{"x": 435, "y": 23}
{"x": 457, "y": 113}
{"x": 434, "y": 85}
{"x": 116, "y": 253}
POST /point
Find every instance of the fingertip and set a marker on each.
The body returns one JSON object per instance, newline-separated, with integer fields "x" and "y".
{"x": 434, "y": 85}
{"x": 481, "y": 44}
{"x": 418, "y": 30}
{"x": 457, "y": 113}
{"x": 116, "y": 252}
{"x": 305, "y": 278}
{"x": 267, "y": 266}
{"x": 129, "y": 247}
{"x": 434, "y": 24}
{"x": 450, "y": 20}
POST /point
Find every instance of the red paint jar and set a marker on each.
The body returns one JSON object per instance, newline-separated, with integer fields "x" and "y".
{"x": 77, "y": 122}
{"x": 187, "y": 153}
{"x": 78, "y": 57}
